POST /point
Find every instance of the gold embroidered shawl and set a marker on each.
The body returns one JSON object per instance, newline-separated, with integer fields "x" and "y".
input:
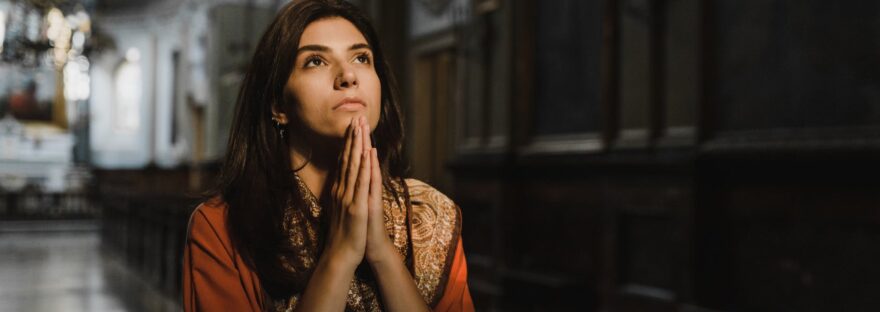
{"x": 425, "y": 237}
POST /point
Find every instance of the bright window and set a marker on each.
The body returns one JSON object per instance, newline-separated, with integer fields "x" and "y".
{"x": 128, "y": 92}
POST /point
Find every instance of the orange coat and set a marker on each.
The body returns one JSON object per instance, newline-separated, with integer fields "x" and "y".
{"x": 216, "y": 278}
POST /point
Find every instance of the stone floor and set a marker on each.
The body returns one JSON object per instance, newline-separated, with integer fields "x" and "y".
{"x": 60, "y": 266}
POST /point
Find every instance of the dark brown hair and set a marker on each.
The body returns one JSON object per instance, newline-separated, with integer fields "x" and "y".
{"x": 255, "y": 179}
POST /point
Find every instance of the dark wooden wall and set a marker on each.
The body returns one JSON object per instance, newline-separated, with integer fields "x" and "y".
{"x": 659, "y": 155}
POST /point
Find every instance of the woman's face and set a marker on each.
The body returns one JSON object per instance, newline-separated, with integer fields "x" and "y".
{"x": 333, "y": 79}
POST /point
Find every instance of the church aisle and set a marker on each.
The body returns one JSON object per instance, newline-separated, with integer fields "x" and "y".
{"x": 60, "y": 266}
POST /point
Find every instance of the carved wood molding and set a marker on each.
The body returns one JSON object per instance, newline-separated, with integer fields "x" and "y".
{"x": 435, "y": 7}
{"x": 811, "y": 139}
{"x": 564, "y": 144}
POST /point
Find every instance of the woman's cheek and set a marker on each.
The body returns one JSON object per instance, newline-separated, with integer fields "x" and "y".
{"x": 376, "y": 96}
{"x": 375, "y": 112}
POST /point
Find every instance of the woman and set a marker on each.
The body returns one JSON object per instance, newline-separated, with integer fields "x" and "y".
{"x": 310, "y": 212}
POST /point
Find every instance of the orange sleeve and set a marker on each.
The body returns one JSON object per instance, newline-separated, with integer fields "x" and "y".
{"x": 457, "y": 295}
{"x": 212, "y": 280}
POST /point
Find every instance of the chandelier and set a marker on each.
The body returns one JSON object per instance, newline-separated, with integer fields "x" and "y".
{"x": 35, "y": 33}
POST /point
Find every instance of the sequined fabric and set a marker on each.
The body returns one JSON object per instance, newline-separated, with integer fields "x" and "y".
{"x": 436, "y": 225}
{"x": 425, "y": 237}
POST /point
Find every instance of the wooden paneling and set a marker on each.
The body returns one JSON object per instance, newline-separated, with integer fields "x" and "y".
{"x": 783, "y": 64}
{"x": 637, "y": 72}
{"x": 780, "y": 233}
{"x": 707, "y": 156}
{"x": 430, "y": 120}
{"x": 681, "y": 78}
{"x": 566, "y": 81}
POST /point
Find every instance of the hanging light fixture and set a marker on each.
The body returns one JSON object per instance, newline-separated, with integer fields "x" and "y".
{"x": 31, "y": 29}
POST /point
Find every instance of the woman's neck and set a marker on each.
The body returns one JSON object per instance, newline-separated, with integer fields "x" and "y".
{"x": 314, "y": 178}
{"x": 314, "y": 172}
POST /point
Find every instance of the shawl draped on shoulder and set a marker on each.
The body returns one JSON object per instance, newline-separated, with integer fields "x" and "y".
{"x": 216, "y": 278}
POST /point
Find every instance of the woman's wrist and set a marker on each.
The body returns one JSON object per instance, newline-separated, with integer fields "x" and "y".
{"x": 328, "y": 286}
{"x": 337, "y": 265}
{"x": 383, "y": 255}
{"x": 396, "y": 284}
{"x": 339, "y": 259}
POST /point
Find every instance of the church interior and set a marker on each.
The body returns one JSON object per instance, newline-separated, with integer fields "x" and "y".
{"x": 606, "y": 155}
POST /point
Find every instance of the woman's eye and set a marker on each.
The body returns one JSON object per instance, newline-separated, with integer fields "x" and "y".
{"x": 313, "y": 62}
{"x": 363, "y": 58}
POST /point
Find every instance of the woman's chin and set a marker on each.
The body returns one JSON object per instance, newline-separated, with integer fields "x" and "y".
{"x": 341, "y": 127}
{"x": 337, "y": 130}
{"x": 337, "y": 133}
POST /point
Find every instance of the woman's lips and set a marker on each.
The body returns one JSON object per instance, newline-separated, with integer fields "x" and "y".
{"x": 350, "y": 104}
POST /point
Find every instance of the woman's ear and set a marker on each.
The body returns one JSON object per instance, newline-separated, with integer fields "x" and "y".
{"x": 278, "y": 115}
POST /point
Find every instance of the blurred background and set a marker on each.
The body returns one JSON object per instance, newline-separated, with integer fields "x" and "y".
{"x": 613, "y": 155}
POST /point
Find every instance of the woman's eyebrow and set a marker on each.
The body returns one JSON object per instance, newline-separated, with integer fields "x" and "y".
{"x": 312, "y": 47}
{"x": 358, "y": 46}
{"x": 324, "y": 49}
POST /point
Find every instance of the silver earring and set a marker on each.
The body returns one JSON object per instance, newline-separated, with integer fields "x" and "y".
{"x": 279, "y": 127}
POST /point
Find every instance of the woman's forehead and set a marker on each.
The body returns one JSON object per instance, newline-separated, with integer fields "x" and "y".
{"x": 335, "y": 33}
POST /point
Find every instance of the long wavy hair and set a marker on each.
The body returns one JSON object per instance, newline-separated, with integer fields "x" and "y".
{"x": 255, "y": 179}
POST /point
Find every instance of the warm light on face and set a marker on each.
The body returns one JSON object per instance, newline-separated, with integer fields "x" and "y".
{"x": 334, "y": 78}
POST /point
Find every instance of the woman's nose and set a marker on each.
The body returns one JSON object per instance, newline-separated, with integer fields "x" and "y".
{"x": 346, "y": 79}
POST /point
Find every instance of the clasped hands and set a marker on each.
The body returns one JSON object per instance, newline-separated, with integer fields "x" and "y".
{"x": 356, "y": 218}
